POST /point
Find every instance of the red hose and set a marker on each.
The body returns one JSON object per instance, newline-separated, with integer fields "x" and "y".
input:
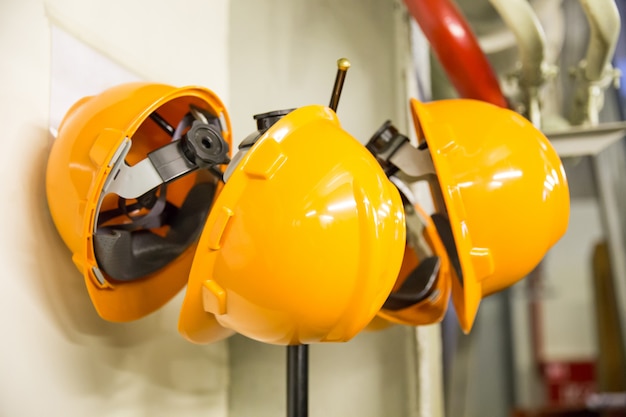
{"x": 456, "y": 47}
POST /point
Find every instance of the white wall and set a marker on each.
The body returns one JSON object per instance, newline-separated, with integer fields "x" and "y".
{"x": 283, "y": 54}
{"x": 365, "y": 377}
{"x": 58, "y": 357}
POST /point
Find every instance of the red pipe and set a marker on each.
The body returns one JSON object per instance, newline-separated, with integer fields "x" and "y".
{"x": 456, "y": 47}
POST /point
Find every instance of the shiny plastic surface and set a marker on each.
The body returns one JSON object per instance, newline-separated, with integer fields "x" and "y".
{"x": 304, "y": 243}
{"x": 78, "y": 165}
{"x": 377, "y": 324}
{"x": 504, "y": 188}
{"x": 432, "y": 309}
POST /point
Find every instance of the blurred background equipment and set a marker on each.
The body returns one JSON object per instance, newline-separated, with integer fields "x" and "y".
{"x": 556, "y": 65}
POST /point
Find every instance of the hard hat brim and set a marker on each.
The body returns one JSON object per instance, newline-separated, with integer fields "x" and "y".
{"x": 195, "y": 323}
{"x": 466, "y": 290}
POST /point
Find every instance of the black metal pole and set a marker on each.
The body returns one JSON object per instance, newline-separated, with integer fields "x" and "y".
{"x": 298, "y": 355}
{"x": 298, "y": 381}
{"x": 342, "y": 68}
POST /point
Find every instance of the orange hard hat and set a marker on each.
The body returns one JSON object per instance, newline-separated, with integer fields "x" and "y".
{"x": 503, "y": 191}
{"x": 305, "y": 241}
{"x": 129, "y": 189}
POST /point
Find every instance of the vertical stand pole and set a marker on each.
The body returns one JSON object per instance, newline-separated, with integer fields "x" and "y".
{"x": 342, "y": 68}
{"x": 298, "y": 355}
{"x": 298, "y": 381}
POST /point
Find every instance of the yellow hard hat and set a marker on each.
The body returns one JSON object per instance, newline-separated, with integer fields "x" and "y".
{"x": 129, "y": 189}
{"x": 504, "y": 192}
{"x": 305, "y": 241}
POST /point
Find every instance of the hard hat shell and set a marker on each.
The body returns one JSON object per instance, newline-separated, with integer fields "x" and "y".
{"x": 303, "y": 244}
{"x": 89, "y": 138}
{"x": 377, "y": 324}
{"x": 432, "y": 309}
{"x": 504, "y": 189}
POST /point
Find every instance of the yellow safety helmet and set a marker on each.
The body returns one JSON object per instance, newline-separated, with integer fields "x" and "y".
{"x": 129, "y": 189}
{"x": 305, "y": 241}
{"x": 504, "y": 198}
